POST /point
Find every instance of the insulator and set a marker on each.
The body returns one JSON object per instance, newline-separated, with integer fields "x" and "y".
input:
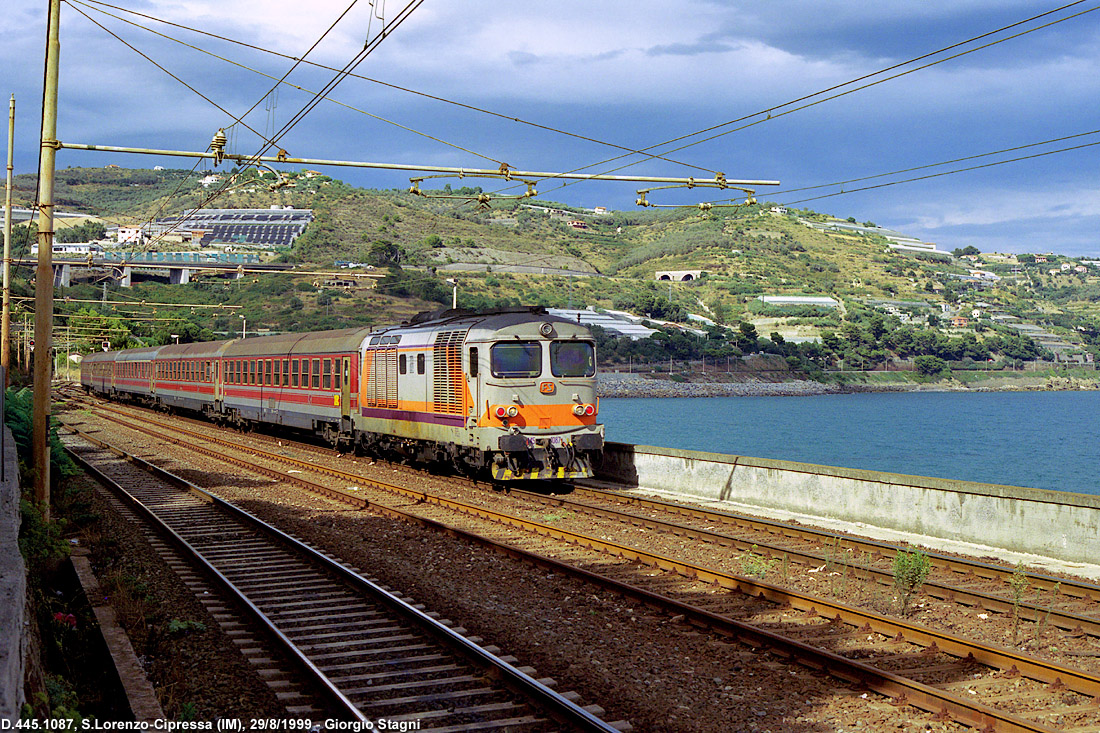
{"x": 217, "y": 146}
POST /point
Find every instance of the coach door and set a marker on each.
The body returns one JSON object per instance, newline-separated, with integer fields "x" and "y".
{"x": 219, "y": 397}
{"x": 345, "y": 387}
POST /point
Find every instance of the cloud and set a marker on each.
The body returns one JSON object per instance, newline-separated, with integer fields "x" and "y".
{"x": 689, "y": 49}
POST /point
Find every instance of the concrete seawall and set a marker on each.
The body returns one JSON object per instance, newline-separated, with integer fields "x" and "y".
{"x": 1049, "y": 523}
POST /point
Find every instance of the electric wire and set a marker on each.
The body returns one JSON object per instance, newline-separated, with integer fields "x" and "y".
{"x": 775, "y": 109}
{"x": 368, "y": 48}
{"x": 269, "y": 142}
{"x": 396, "y": 87}
{"x": 948, "y": 173}
{"x": 298, "y": 62}
{"x": 195, "y": 91}
{"x": 294, "y": 86}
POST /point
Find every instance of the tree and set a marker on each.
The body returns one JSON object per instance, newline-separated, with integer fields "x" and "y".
{"x": 964, "y": 251}
{"x": 930, "y": 365}
{"x": 746, "y": 337}
{"x": 383, "y": 253}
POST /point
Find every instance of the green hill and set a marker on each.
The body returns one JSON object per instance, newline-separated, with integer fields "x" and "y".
{"x": 519, "y": 251}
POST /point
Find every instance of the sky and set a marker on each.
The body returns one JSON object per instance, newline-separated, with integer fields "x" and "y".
{"x": 621, "y": 74}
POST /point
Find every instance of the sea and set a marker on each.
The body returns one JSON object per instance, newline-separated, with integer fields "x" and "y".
{"x": 1046, "y": 440}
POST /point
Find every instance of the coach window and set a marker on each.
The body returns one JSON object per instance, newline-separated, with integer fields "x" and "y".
{"x": 328, "y": 374}
{"x": 294, "y": 373}
{"x": 305, "y": 373}
{"x": 402, "y": 364}
{"x": 419, "y": 363}
{"x": 316, "y": 373}
{"x": 286, "y": 372}
{"x": 268, "y": 367}
{"x": 347, "y": 373}
{"x": 336, "y": 384}
{"x": 278, "y": 373}
{"x": 251, "y": 371}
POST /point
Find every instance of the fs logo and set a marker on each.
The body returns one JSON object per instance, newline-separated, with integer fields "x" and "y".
{"x": 547, "y": 387}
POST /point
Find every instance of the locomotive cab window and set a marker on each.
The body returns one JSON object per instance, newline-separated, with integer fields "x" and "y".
{"x": 572, "y": 359}
{"x": 419, "y": 363}
{"x": 516, "y": 359}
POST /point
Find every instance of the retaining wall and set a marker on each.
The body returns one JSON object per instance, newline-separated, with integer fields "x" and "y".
{"x": 1053, "y": 524}
{"x": 13, "y": 589}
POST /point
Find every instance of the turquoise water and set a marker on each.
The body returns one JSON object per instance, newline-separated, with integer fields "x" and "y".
{"x": 1046, "y": 440}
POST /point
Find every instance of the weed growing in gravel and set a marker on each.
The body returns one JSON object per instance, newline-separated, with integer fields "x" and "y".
{"x": 1018, "y": 583}
{"x": 845, "y": 569}
{"x": 1042, "y": 620}
{"x": 755, "y": 564}
{"x": 176, "y": 626}
{"x": 910, "y": 571}
{"x": 832, "y": 550}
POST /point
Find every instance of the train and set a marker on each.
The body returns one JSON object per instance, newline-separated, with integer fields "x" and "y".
{"x": 510, "y": 392}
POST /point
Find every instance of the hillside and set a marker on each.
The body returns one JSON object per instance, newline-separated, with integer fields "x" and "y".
{"x": 517, "y": 251}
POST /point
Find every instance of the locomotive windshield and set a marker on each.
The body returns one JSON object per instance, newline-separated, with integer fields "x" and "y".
{"x": 516, "y": 359}
{"x": 572, "y": 359}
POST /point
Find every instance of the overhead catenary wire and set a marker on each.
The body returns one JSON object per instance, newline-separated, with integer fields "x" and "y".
{"x": 296, "y": 86}
{"x": 397, "y": 87}
{"x": 368, "y": 47}
{"x": 946, "y": 173}
{"x": 195, "y": 91}
{"x": 774, "y": 112}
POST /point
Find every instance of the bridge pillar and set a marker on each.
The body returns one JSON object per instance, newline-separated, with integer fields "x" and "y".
{"x": 124, "y": 281}
{"x": 62, "y": 276}
{"x": 179, "y": 276}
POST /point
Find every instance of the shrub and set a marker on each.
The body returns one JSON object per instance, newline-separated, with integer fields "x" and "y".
{"x": 910, "y": 571}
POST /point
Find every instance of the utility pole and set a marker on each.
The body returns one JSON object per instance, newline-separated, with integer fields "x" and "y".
{"x": 5, "y": 319}
{"x": 43, "y": 288}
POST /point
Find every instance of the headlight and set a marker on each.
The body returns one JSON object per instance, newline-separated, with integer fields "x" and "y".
{"x": 513, "y": 411}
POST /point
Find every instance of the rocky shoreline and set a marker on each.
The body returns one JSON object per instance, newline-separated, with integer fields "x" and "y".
{"x": 617, "y": 385}
{"x": 635, "y": 385}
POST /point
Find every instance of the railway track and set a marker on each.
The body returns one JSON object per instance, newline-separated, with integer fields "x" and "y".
{"x": 1073, "y": 607}
{"x": 930, "y": 669}
{"x": 370, "y": 653}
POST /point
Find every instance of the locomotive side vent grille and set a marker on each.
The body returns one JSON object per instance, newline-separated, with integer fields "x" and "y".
{"x": 448, "y": 382}
{"x": 382, "y": 383}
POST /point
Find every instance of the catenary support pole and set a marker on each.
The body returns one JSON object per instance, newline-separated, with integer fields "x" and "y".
{"x": 43, "y": 288}
{"x": 5, "y": 316}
